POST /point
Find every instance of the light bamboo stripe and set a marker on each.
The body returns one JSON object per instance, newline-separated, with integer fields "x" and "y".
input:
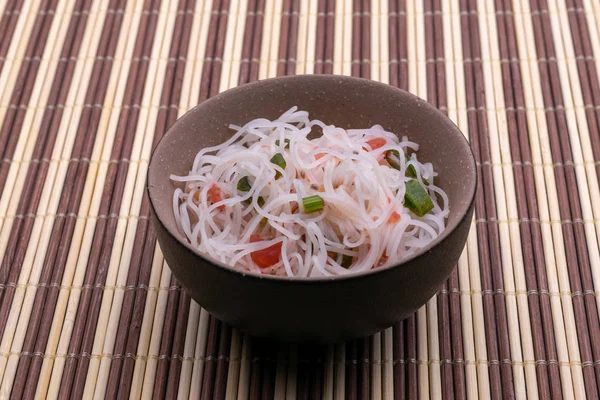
{"x": 281, "y": 372}
{"x": 233, "y": 45}
{"x": 521, "y": 346}
{"x": 328, "y": 371}
{"x": 454, "y": 86}
{"x": 2, "y": 6}
{"x": 579, "y": 135}
{"x": 20, "y": 310}
{"x": 233, "y": 373}
{"x": 153, "y": 300}
{"x": 376, "y": 366}
{"x": 187, "y": 101}
{"x": 69, "y": 123}
{"x": 375, "y": 57}
{"x": 229, "y": 79}
{"x": 592, "y": 14}
{"x": 145, "y": 127}
{"x": 292, "y": 373}
{"x": 340, "y": 371}
{"x": 338, "y": 39}
{"x": 303, "y": 19}
{"x": 268, "y": 50}
{"x": 347, "y": 44}
{"x": 8, "y": 78}
{"x": 312, "y": 37}
{"x": 245, "y": 368}
{"x": 556, "y": 267}
{"x": 414, "y": 87}
{"x": 199, "y": 22}
{"x": 183, "y": 390}
{"x": 382, "y": 383}
{"x": 199, "y": 354}
{"x": 120, "y": 259}
{"x": 198, "y": 317}
{"x": 145, "y": 370}
{"x": 15, "y": 55}
{"x": 382, "y": 22}
{"x": 593, "y": 18}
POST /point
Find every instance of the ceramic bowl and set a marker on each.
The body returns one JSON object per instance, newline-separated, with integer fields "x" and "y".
{"x": 322, "y": 309}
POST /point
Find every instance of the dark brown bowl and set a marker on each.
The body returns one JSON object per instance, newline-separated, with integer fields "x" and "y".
{"x": 323, "y": 309}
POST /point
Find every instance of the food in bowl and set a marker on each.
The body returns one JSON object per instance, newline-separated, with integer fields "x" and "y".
{"x": 274, "y": 200}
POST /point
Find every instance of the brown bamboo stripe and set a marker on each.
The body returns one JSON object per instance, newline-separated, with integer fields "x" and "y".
{"x": 439, "y": 349}
{"x": 166, "y": 116}
{"x": 50, "y": 123}
{"x": 83, "y": 330}
{"x": 7, "y": 27}
{"x": 577, "y": 261}
{"x": 145, "y": 237}
{"x": 496, "y": 330}
{"x": 539, "y": 306}
{"x": 13, "y": 121}
{"x": 588, "y": 74}
{"x": 436, "y": 87}
{"x": 22, "y": 92}
{"x": 398, "y": 78}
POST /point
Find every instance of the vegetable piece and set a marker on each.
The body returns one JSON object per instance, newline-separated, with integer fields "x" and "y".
{"x": 263, "y": 222}
{"x": 244, "y": 185}
{"x": 286, "y": 141}
{"x": 268, "y": 257}
{"x": 394, "y": 218}
{"x": 376, "y": 143}
{"x": 278, "y": 160}
{"x": 215, "y": 195}
{"x": 416, "y": 198}
{"x": 393, "y": 158}
{"x": 347, "y": 261}
{"x": 312, "y": 204}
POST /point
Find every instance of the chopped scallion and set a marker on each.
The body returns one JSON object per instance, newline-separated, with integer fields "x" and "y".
{"x": 346, "y": 261}
{"x": 312, "y": 204}
{"x": 278, "y": 160}
{"x": 416, "y": 198}
{"x": 286, "y": 141}
{"x": 393, "y": 158}
{"x": 244, "y": 185}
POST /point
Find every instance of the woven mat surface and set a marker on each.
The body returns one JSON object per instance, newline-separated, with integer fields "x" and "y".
{"x": 88, "y": 307}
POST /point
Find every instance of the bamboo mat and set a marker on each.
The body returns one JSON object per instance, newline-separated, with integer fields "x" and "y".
{"x": 88, "y": 307}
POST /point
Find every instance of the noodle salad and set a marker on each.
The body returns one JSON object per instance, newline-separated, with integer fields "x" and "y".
{"x": 272, "y": 200}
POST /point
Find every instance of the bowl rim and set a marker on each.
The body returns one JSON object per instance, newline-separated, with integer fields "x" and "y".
{"x": 325, "y": 279}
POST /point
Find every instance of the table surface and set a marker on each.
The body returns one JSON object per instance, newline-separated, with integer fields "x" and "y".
{"x": 89, "y": 308}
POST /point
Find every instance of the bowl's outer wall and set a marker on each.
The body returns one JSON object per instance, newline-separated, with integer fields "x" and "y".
{"x": 326, "y": 310}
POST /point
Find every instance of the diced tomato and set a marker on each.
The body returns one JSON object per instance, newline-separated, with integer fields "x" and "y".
{"x": 394, "y": 218}
{"x": 382, "y": 260}
{"x": 376, "y": 143}
{"x": 318, "y": 156}
{"x": 268, "y": 257}
{"x": 215, "y": 195}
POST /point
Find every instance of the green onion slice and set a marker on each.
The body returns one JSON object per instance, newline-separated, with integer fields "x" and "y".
{"x": 244, "y": 185}
{"x": 278, "y": 160}
{"x": 312, "y": 204}
{"x": 416, "y": 198}
{"x": 347, "y": 261}
{"x": 286, "y": 141}
{"x": 393, "y": 158}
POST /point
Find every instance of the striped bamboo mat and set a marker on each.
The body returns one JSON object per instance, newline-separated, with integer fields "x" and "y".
{"x": 89, "y": 309}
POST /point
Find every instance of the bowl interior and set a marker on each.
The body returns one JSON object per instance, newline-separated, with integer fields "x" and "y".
{"x": 342, "y": 101}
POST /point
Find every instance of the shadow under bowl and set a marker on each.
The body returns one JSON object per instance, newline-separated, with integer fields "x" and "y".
{"x": 322, "y": 309}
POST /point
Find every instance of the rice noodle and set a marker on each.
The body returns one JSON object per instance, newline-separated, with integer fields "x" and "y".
{"x": 360, "y": 190}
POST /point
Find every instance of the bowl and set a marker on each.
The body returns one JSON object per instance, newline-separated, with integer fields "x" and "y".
{"x": 315, "y": 309}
